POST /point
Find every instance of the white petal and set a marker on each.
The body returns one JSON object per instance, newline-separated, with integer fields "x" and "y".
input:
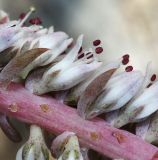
{"x": 19, "y": 154}
{"x": 7, "y": 38}
{"x": 58, "y": 142}
{"x": 51, "y": 40}
{"x": 79, "y": 89}
{"x": 58, "y": 50}
{"x": 31, "y": 155}
{"x": 70, "y": 57}
{"x": 73, "y": 76}
{"x": 148, "y": 99}
{"x": 119, "y": 90}
{"x": 50, "y": 30}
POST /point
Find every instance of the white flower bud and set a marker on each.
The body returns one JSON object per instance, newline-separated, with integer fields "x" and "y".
{"x": 35, "y": 147}
{"x": 66, "y": 147}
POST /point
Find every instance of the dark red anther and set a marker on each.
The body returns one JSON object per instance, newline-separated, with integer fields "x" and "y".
{"x": 88, "y": 53}
{"x": 81, "y": 56}
{"x": 128, "y": 68}
{"x": 36, "y": 21}
{"x": 125, "y": 61}
{"x": 90, "y": 56}
{"x": 98, "y": 50}
{"x": 96, "y": 42}
{"x": 126, "y": 56}
{"x": 153, "y": 77}
{"x": 63, "y": 52}
{"x": 80, "y": 50}
{"x": 22, "y": 15}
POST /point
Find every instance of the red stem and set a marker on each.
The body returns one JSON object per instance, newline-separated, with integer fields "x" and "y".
{"x": 56, "y": 118}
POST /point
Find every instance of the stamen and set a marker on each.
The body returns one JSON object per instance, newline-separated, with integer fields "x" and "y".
{"x": 36, "y": 21}
{"x": 128, "y": 68}
{"x": 125, "y": 61}
{"x": 126, "y": 56}
{"x": 90, "y": 56}
{"x": 22, "y": 15}
{"x": 153, "y": 77}
{"x": 88, "y": 53}
{"x": 96, "y": 42}
{"x": 80, "y": 56}
{"x": 80, "y": 50}
{"x": 32, "y": 9}
{"x": 149, "y": 85}
{"x": 98, "y": 50}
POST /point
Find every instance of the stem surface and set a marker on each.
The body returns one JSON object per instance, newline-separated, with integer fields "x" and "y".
{"x": 50, "y": 114}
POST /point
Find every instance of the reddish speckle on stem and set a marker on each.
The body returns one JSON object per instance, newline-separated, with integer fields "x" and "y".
{"x": 94, "y": 136}
{"x": 22, "y": 15}
{"x": 125, "y": 61}
{"x": 153, "y": 77}
{"x": 13, "y": 107}
{"x": 36, "y": 21}
{"x": 44, "y": 107}
{"x": 128, "y": 68}
{"x": 98, "y": 50}
{"x": 120, "y": 137}
{"x": 96, "y": 42}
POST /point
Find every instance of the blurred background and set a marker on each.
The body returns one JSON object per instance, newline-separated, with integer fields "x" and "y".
{"x": 125, "y": 27}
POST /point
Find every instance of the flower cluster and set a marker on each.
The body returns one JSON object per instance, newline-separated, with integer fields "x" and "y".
{"x": 46, "y": 61}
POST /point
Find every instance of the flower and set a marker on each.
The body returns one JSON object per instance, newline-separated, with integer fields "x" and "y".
{"x": 66, "y": 147}
{"x": 140, "y": 108}
{"x": 35, "y": 147}
{"x": 75, "y": 93}
{"x": 57, "y": 42}
{"x": 66, "y": 73}
{"x": 116, "y": 93}
{"x": 11, "y": 31}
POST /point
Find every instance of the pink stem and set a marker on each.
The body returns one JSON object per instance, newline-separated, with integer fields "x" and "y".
{"x": 57, "y": 118}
